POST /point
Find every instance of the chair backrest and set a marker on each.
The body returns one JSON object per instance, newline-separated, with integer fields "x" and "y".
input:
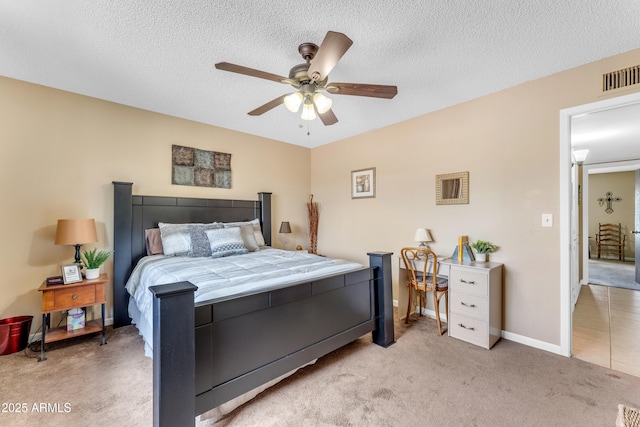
{"x": 421, "y": 266}
{"x": 610, "y": 234}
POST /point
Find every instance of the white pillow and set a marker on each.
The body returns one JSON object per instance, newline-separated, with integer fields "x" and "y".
{"x": 225, "y": 242}
{"x": 249, "y": 237}
{"x": 175, "y": 239}
{"x": 257, "y": 231}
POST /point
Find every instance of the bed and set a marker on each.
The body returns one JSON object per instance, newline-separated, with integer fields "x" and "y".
{"x": 209, "y": 348}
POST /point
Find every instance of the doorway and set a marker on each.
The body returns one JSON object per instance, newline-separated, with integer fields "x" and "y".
{"x": 619, "y": 179}
{"x": 569, "y": 253}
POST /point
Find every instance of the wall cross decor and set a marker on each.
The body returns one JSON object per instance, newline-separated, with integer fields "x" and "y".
{"x": 609, "y": 199}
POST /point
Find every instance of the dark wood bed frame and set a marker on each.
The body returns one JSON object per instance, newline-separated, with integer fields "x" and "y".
{"x": 238, "y": 343}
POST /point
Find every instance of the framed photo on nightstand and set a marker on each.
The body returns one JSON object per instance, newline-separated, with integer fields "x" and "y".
{"x": 71, "y": 273}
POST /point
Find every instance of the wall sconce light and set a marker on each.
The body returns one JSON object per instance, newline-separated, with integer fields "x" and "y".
{"x": 423, "y": 236}
{"x": 580, "y": 156}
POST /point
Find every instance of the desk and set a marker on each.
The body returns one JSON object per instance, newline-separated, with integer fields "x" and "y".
{"x": 475, "y": 300}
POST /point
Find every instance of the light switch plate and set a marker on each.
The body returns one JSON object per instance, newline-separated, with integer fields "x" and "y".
{"x": 547, "y": 220}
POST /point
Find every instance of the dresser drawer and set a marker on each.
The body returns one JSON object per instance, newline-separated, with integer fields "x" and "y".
{"x": 469, "y": 305}
{"x": 469, "y": 329}
{"x": 469, "y": 281}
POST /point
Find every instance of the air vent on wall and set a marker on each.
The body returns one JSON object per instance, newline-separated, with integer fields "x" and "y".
{"x": 621, "y": 78}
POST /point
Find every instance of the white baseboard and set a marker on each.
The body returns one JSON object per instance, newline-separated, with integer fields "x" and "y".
{"x": 531, "y": 342}
{"x": 521, "y": 339}
{"x": 38, "y": 335}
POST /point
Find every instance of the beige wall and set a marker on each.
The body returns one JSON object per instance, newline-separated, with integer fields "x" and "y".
{"x": 621, "y": 184}
{"x": 59, "y": 153}
{"x": 510, "y": 144}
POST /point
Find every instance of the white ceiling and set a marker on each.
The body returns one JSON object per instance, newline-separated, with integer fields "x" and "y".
{"x": 159, "y": 55}
{"x": 611, "y": 135}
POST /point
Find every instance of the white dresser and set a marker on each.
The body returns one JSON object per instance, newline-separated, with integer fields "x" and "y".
{"x": 475, "y": 302}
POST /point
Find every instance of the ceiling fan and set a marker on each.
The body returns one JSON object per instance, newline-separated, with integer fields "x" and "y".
{"x": 310, "y": 77}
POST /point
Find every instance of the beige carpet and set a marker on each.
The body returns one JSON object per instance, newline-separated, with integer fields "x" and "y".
{"x": 423, "y": 379}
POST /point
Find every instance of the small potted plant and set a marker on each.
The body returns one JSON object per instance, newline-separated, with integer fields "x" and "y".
{"x": 92, "y": 260}
{"x": 483, "y": 248}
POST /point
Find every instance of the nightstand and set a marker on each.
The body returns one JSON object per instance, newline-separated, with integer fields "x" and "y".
{"x": 65, "y": 297}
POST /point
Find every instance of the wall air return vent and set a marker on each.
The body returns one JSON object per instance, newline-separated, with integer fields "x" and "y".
{"x": 621, "y": 78}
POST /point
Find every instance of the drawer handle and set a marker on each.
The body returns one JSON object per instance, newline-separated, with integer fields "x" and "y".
{"x": 468, "y": 283}
{"x": 467, "y": 305}
{"x": 466, "y": 327}
{"x": 75, "y": 296}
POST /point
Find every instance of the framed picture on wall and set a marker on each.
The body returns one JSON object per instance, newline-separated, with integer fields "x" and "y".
{"x": 363, "y": 183}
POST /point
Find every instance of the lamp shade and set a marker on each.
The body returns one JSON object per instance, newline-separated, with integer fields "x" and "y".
{"x": 308, "y": 112}
{"x": 422, "y": 235}
{"x": 323, "y": 104}
{"x": 293, "y": 101}
{"x": 285, "y": 227}
{"x": 580, "y": 155}
{"x": 76, "y": 232}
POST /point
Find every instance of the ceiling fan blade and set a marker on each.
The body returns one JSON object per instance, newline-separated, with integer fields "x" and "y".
{"x": 375, "y": 91}
{"x": 225, "y": 66}
{"x": 331, "y": 50}
{"x": 268, "y": 106}
{"x": 328, "y": 118}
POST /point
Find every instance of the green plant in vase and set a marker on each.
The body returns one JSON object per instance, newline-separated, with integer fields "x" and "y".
{"x": 92, "y": 260}
{"x": 483, "y": 248}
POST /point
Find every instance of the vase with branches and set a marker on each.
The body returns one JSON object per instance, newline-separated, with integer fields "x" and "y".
{"x": 312, "y": 210}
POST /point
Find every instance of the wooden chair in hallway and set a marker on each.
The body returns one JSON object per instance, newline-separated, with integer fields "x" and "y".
{"x": 610, "y": 235}
{"x": 421, "y": 265}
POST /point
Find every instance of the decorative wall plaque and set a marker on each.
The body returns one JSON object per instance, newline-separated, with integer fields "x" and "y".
{"x": 202, "y": 168}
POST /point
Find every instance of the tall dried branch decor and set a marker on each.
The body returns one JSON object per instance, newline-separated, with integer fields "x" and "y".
{"x": 312, "y": 209}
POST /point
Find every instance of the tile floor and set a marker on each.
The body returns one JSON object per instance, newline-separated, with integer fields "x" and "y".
{"x": 606, "y": 328}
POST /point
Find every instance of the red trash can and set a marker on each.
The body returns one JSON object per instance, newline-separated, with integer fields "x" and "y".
{"x": 14, "y": 334}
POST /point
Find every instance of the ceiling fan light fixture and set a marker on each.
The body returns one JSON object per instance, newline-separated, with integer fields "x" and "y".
{"x": 293, "y": 101}
{"x": 308, "y": 112}
{"x": 323, "y": 104}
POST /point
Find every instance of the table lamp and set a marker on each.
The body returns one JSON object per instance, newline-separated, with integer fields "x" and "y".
{"x": 423, "y": 236}
{"x": 76, "y": 232}
{"x": 285, "y": 228}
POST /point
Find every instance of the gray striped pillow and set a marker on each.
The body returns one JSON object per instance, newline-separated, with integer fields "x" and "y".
{"x": 225, "y": 242}
{"x": 200, "y": 246}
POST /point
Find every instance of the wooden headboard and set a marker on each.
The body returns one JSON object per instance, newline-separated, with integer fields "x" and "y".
{"x": 134, "y": 214}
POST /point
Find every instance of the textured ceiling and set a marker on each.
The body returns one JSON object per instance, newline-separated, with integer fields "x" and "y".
{"x": 159, "y": 55}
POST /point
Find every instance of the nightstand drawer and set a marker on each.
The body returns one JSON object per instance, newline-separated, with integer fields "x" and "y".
{"x": 76, "y": 296}
{"x": 468, "y": 329}
{"x": 469, "y": 305}
{"x": 469, "y": 282}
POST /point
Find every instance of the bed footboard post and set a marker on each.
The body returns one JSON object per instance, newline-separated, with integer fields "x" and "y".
{"x": 174, "y": 360}
{"x": 383, "y": 335}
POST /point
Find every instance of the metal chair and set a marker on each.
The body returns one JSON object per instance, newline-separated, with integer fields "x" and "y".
{"x": 421, "y": 265}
